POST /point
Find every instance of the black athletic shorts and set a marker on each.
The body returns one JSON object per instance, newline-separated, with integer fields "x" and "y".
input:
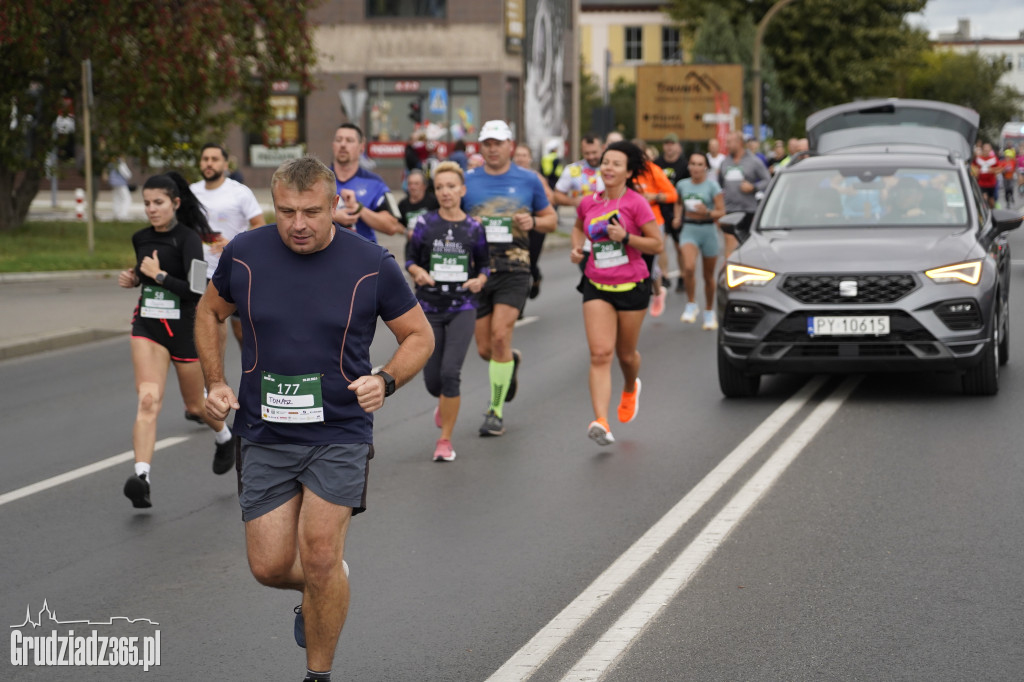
{"x": 637, "y": 298}
{"x": 174, "y": 335}
{"x": 673, "y": 232}
{"x": 510, "y": 288}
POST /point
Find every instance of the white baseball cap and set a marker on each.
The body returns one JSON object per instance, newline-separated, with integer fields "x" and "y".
{"x": 495, "y": 130}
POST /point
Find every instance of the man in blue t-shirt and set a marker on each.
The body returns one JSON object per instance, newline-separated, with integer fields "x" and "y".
{"x": 366, "y": 202}
{"x": 509, "y": 201}
{"x": 309, "y": 296}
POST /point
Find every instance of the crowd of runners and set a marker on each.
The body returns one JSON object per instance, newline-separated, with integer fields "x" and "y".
{"x": 317, "y": 280}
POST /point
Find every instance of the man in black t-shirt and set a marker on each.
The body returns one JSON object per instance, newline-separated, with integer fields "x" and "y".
{"x": 417, "y": 202}
{"x": 674, "y": 163}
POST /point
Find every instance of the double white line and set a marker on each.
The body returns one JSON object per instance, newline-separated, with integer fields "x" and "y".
{"x": 617, "y": 639}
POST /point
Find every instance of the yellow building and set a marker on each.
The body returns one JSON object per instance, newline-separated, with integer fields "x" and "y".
{"x": 618, "y": 35}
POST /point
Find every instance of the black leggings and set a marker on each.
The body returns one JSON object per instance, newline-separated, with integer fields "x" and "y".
{"x": 453, "y": 332}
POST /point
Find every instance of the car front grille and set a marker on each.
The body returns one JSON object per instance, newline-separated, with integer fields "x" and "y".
{"x": 826, "y": 288}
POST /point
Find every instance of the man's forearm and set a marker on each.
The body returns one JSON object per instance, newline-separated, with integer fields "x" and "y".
{"x": 546, "y": 222}
{"x": 208, "y": 345}
{"x": 410, "y": 356}
{"x": 382, "y": 221}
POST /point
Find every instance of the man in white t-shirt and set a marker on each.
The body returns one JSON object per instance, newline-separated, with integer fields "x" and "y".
{"x": 231, "y": 208}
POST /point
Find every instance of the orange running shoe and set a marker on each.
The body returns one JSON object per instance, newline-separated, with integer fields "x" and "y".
{"x": 629, "y": 406}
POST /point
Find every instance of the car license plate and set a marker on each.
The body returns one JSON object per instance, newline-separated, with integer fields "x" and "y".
{"x": 848, "y": 325}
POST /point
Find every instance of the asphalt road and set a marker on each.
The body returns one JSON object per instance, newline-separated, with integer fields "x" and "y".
{"x": 837, "y": 528}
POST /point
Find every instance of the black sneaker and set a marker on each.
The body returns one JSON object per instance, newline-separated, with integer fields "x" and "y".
{"x": 665, "y": 282}
{"x": 224, "y": 457}
{"x": 189, "y": 416}
{"x": 513, "y": 384}
{"x": 680, "y": 286}
{"x": 136, "y": 489}
{"x": 493, "y": 425}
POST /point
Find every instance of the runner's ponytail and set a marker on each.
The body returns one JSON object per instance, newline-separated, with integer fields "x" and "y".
{"x": 191, "y": 211}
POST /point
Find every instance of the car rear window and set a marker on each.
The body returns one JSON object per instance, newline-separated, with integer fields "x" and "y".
{"x": 853, "y": 197}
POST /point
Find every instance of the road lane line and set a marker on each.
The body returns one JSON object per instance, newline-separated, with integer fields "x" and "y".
{"x": 617, "y": 639}
{"x": 84, "y": 471}
{"x": 542, "y": 645}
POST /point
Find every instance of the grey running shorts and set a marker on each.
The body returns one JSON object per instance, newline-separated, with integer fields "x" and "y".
{"x": 273, "y": 473}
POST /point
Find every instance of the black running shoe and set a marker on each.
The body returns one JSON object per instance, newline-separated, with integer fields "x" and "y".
{"x": 300, "y": 627}
{"x": 513, "y": 385}
{"x": 493, "y": 425}
{"x": 224, "y": 457}
{"x": 136, "y": 489}
{"x": 680, "y": 286}
{"x": 193, "y": 417}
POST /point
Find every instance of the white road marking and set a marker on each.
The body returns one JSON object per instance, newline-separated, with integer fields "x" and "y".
{"x": 542, "y": 645}
{"x": 618, "y": 638}
{"x": 81, "y": 472}
{"x": 527, "y": 319}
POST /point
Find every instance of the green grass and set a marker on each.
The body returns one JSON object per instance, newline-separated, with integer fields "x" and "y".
{"x": 63, "y": 245}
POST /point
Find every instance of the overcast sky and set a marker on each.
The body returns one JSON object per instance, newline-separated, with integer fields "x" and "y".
{"x": 989, "y": 18}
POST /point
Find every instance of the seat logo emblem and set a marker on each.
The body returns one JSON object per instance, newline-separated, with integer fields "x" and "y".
{"x": 848, "y": 288}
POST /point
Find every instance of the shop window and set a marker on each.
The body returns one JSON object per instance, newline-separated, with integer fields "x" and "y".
{"x": 284, "y": 136}
{"x": 441, "y": 110}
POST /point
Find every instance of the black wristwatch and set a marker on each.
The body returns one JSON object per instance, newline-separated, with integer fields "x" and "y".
{"x": 160, "y": 277}
{"x": 389, "y": 382}
{"x": 625, "y": 240}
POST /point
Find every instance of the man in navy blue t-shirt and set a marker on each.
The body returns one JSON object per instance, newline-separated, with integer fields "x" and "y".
{"x": 309, "y": 295}
{"x": 509, "y": 202}
{"x": 366, "y": 204}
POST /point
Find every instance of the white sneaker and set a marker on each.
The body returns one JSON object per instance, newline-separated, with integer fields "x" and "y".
{"x": 689, "y": 313}
{"x": 710, "y": 323}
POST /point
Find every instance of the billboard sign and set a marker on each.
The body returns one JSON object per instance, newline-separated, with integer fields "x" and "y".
{"x": 687, "y": 99}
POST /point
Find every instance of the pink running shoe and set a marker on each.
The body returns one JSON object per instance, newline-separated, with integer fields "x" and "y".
{"x": 658, "y": 303}
{"x": 443, "y": 452}
{"x": 437, "y": 417}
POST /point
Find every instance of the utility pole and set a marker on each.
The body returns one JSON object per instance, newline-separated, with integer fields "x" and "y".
{"x": 758, "y": 39}
{"x": 87, "y": 101}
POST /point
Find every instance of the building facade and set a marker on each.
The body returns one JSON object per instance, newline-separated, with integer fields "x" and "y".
{"x": 616, "y": 36}
{"x": 436, "y": 68}
{"x": 1010, "y": 50}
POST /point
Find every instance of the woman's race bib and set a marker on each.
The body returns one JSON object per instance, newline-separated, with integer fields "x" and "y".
{"x": 159, "y": 303}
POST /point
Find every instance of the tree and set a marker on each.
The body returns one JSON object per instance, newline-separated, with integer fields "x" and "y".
{"x": 167, "y": 75}
{"x": 622, "y": 100}
{"x": 590, "y": 99}
{"x": 824, "y": 52}
{"x": 969, "y": 80}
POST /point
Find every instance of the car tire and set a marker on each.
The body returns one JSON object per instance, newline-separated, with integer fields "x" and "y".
{"x": 734, "y": 382}
{"x": 983, "y": 378}
{"x": 1004, "y": 339}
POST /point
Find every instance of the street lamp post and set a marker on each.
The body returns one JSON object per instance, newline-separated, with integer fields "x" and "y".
{"x": 758, "y": 39}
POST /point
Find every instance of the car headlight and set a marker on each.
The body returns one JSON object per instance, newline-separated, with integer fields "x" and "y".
{"x": 969, "y": 272}
{"x": 739, "y": 275}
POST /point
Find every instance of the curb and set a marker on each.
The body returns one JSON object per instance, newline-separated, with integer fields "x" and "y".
{"x": 11, "y": 277}
{"x": 56, "y": 341}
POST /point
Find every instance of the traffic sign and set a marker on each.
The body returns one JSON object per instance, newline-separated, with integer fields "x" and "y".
{"x": 438, "y": 101}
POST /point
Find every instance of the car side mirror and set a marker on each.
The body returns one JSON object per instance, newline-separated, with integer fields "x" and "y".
{"x": 730, "y": 224}
{"x": 1004, "y": 221}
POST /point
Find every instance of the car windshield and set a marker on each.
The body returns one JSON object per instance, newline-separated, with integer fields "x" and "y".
{"x": 852, "y": 197}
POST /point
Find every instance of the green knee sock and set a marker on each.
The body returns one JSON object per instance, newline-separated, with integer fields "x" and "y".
{"x": 501, "y": 376}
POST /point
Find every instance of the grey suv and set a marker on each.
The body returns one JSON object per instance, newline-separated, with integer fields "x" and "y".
{"x": 874, "y": 253}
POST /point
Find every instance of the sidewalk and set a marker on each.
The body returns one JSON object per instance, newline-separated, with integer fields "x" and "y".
{"x": 44, "y": 311}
